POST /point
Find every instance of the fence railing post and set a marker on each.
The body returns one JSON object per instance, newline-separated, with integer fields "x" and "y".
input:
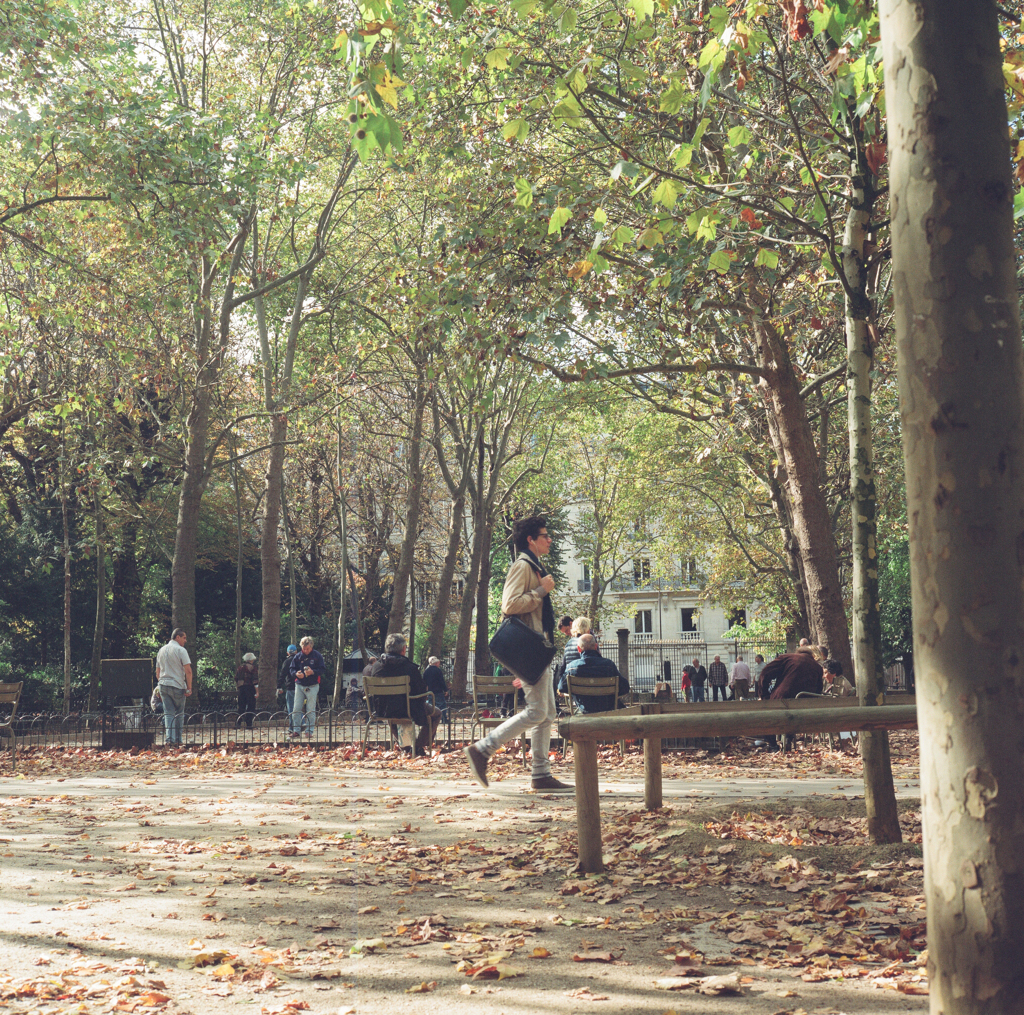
{"x": 623, "y": 636}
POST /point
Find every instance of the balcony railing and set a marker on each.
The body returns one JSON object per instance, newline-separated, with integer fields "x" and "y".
{"x": 677, "y": 583}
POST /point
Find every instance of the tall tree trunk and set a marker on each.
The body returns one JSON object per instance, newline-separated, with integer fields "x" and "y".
{"x": 812, "y": 524}
{"x": 67, "y": 588}
{"x": 413, "y": 499}
{"x": 293, "y": 590}
{"x": 466, "y": 611}
{"x": 439, "y": 615}
{"x": 101, "y": 607}
{"x": 961, "y": 374}
{"x": 595, "y": 587}
{"x": 879, "y": 792}
{"x": 239, "y": 565}
{"x": 481, "y": 651}
{"x": 342, "y": 516}
{"x": 270, "y": 562}
{"x": 357, "y": 617}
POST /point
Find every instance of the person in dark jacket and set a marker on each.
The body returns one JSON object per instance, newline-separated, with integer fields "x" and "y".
{"x": 433, "y": 677}
{"x": 698, "y": 679}
{"x": 592, "y": 664}
{"x": 787, "y": 675}
{"x": 392, "y": 664}
{"x": 286, "y": 686}
{"x": 565, "y": 629}
{"x": 308, "y": 669}
{"x": 246, "y": 678}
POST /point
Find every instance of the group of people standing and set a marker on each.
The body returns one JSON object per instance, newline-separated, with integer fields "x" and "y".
{"x": 301, "y": 674}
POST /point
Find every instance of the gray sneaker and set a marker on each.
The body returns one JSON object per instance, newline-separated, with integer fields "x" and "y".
{"x": 477, "y": 764}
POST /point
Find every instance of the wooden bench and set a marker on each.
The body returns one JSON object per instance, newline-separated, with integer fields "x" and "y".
{"x": 709, "y": 719}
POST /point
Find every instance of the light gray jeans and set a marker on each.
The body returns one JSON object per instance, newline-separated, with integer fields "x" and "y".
{"x": 536, "y": 718}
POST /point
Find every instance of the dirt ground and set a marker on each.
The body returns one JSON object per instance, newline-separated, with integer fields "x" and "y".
{"x": 288, "y": 879}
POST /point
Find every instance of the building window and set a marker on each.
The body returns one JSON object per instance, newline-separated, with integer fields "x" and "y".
{"x": 738, "y": 618}
{"x": 688, "y": 620}
{"x": 642, "y": 570}
{"x": 586, "y": 572}
{"x": 690, "y": 570}
{"x": 643, "y": 622}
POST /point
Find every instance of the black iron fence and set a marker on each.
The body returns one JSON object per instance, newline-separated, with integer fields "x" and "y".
{"x": 137, "y": 726}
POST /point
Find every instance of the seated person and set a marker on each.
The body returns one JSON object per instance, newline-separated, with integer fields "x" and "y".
{"x": 592, "y": 664}
{"x": 354, "y": 696}
{"x": 394, "y": 663}
{"x": 835, "y": 682}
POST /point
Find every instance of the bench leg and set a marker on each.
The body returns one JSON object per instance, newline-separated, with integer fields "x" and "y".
{"x": 652, "y": 774}
{"x": 588, "y": 807}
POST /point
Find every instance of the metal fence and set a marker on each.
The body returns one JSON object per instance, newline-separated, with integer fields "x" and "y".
{"x": 138, "y": 727}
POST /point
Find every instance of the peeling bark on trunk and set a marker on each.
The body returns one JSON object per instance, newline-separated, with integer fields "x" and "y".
{"x": 879, "y": 792}
{"x": 239, "y": 565}
{"x": 812, "y": 524}
{"x": 961, "y": 373}
{"x": 67, "y": 591}
{"x": 469, "y": 595}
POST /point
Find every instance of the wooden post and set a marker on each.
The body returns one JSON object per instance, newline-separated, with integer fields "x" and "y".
{"x": 588, "y": 807}
{"x": 623, "y": 635}
{"x": 652, "y": 773}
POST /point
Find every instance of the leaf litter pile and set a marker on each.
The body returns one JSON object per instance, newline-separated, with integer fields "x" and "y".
{"x": 297, "y": 880}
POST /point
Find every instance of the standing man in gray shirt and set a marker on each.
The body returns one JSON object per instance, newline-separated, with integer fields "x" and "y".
{"x": 174, "y": 680}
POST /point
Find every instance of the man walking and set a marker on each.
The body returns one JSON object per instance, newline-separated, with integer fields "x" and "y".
{"x": 739, "y": 679}
{"x": 592, "y": 664}
{"x": 308, "y": 669}
{"x": 698, "y": 680}
{"x": 718, "y": 677}
{"x": 174, "y": 680}
{"x": 527, "y": 595}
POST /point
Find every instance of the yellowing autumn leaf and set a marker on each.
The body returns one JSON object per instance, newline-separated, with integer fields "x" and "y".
{"x": 422, "y": 988}
{"x": 579, "y": 269}
{"x": 387, "y": 89}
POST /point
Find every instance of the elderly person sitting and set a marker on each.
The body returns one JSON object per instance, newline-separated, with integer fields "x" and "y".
{"x": 592, "y": 664}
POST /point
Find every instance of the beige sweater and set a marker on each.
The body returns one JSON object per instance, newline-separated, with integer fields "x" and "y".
{"x": 522, "y": 595}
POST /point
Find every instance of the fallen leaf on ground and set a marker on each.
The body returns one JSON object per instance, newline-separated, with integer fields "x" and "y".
{"x": 422, "y": 988}
{"x": 585, "y": 994}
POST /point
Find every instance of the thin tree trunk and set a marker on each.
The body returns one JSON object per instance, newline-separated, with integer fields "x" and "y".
{"x": 879, "y": 792}
{"x": 961, "y": 376}
{"x": 270, "y": 561}
{"x": 239, "y": 570}
{"x": 342, "y": 516}
{"x": 67, "y": 589}
{"x": 595, "y": 587}
{"x": 413, "y": 499}
{"x": 481, "y": 651}
{"x": 439, "y": 615}
{"x": 466, "y": 612}
{"x": 812, "y": 524}
{"x": 101, "y": 607}
{"x": 293, "y": 590}
{"x": 357, "y": 617}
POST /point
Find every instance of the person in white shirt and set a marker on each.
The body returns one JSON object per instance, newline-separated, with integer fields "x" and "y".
{"x": 739, "y": 679}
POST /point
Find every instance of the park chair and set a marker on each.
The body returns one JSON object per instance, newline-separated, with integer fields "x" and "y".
{"x": 10, "y": 694}
{"x": 486, "y": 686}
{"x": 607, "y": 685}
{"x": 834, "y": 740}
{"x": 381, "y": 687}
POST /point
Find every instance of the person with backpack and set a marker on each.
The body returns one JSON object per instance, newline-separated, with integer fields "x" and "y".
{"x": 286, "y": 686}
